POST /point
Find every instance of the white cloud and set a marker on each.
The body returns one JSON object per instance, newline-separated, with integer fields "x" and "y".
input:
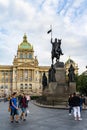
{"x": 4, "y": 3}
{"x": 68, "y": 19}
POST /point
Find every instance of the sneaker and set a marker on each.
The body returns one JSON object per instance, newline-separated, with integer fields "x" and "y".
{"x": 24, "y": 119}
{"x": 12, "y": 121}
{"x": 80, "y": 119}
{"x": 17, "y": 121}
{"x": 70, "y": 114}
{"x": 75, "y": 119}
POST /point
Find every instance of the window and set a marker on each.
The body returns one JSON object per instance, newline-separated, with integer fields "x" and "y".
{"x": 30, "y": 56}
{"x": 21, "y": 86}
{"x": 26, "y": 86}
{"x": 21, "y": 78}
{"x": 6, "y": 80}
{"x": 3, "y": 80}
{"x": 21, "y": 55}
{"x": 2, "y": 87}
{"x": 30, "y": 86}
{"x": 6, "y": 73}
{"x": 3, "y": 73}
{"x": 6, "y": 86}
{"x": 30, "y": 78}
{"x": 25, "y": 55}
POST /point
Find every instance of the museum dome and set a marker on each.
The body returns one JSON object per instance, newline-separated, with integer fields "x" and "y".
{"x": 25, "y": 45}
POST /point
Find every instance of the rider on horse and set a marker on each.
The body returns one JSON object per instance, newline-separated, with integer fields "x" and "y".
{"x": 56, "y": 49}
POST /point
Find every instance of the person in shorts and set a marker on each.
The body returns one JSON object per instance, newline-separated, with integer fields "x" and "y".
{"x": 14, "y": 108}
{"x": 23, "y": 105}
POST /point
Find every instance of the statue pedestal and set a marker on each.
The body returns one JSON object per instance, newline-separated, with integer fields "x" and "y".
{"x": 59, "y": 87}
{"x": 60, "y": 75}
{"x": 72, "y": 87}
{"x": 56, "y": 89}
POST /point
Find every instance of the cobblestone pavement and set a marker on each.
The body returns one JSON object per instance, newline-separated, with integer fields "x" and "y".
{"x": 42, "y": 119}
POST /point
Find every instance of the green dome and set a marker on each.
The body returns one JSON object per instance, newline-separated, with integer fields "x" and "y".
{"x": 25, "y": 45}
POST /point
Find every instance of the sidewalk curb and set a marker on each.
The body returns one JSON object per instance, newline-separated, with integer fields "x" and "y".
{"x": 52, "y": 107}
{"x": 48, "y": 106}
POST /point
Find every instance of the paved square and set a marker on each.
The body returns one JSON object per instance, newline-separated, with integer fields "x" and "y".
{"x": 42, "y": 119}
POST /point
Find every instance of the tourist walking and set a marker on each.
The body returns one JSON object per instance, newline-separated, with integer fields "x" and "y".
{"x": 23, "y": 104}
{"x": 28, "y": 99}
{"x": 14, "y": 108}
{"x": 76, "y": 107}
{"x": 10, "y": 108}
{"x": 70, "y": 103}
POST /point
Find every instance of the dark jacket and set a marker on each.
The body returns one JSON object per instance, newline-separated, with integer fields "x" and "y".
{"x": 75, "y": 101}
{"x": 23, "y": 102}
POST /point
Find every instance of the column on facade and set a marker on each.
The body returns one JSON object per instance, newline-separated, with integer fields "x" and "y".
{"x": 32, "y": 74}
{"x": 14, "y": 78}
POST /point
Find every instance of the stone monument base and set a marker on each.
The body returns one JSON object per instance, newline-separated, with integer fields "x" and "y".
{"x": 56, "y": 89}
{"x": 72, "y": 87}
{"x": 57, "y": 93}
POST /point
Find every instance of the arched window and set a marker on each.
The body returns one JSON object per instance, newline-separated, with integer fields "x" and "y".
{"x": 30, "y": 86}
{"x": 26, "y": 86}
{"x": 21, "y": 86}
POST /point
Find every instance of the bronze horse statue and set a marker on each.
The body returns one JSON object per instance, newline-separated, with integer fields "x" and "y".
{"x": 56, "y": 50}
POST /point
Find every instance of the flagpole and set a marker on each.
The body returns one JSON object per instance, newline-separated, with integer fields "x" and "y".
{"x": 51, "y": 31}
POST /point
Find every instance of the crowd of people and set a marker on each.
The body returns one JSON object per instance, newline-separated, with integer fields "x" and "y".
{"x": 76, "y": 102}
{"x": 17, "y": 103}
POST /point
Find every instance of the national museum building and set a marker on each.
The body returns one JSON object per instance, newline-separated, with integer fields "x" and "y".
{"x": 25, "y": 75}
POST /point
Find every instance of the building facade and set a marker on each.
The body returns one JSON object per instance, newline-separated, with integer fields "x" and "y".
{"x": 25, "y": 75}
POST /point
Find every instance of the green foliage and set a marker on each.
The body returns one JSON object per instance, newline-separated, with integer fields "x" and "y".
{"x": 81, "y": 82}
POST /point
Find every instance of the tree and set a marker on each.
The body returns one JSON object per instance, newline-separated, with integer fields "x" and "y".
{"x": 81, "y": 82}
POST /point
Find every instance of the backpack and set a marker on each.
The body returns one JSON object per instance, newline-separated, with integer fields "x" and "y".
{"x": 10, "y": 103}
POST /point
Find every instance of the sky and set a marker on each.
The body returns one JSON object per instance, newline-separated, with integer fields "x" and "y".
{"x": 34, "y": 17}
